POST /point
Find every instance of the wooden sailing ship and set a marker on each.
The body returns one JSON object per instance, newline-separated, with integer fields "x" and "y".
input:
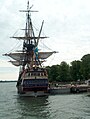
{"x": 33, "y": 78}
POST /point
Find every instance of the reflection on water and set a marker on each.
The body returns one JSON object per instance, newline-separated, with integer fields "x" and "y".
{"x": 33, "y": 107}
{"x": 54, "y": 107}
{"x": 88, "y": 95}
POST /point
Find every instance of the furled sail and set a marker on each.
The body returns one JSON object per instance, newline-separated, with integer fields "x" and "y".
{"x": 19, "y": 63}
{"x": 16, "y": 63}
{"x": 20, "y": 56}
{"x": 16, "y": 56}
{"x": 45, "y": 55}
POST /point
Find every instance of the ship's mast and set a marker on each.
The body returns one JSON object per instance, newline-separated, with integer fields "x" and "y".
{"x": 29, "y": 54}
{"x": 29, "y": 32}
{"x": 29, "y": 41}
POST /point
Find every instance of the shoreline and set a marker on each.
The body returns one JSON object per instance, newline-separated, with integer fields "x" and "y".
{"x": 7, "y": 81}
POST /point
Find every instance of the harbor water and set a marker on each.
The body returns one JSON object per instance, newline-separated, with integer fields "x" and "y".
{"x": 66, "y": 106}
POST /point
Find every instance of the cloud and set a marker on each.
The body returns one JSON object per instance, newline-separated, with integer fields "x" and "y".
{"x": 67, "y": 23}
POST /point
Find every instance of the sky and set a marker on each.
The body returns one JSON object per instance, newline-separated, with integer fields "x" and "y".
{"x": 66, "y": 23}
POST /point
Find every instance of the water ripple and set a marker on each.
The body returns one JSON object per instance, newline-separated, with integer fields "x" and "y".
{"x": 51, "y": 107}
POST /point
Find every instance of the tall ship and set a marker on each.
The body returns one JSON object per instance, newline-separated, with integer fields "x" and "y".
{"x": 33, "y": 77}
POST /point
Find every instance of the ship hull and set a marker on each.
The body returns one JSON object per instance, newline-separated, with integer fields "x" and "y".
{"x": 33, "y": 87}
{"x": 33, "y": 94}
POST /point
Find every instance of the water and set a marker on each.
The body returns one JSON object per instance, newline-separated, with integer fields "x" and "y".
{"x": 53, "y": 107}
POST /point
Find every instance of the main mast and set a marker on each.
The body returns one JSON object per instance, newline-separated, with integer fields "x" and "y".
{"x": 30, "y": 41}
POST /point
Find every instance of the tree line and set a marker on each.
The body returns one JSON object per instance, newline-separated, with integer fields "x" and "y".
{"x": 77, "y": 70}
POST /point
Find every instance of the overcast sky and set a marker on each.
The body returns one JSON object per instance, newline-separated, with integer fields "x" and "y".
{"x": 67, "y": 23}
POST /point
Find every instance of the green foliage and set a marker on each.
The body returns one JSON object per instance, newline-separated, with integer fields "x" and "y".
{"x": 52, "y": 72}
{"x": 86, "y": 66}
{"x": 77, "y": 70}
{"x": 64, "y": 74}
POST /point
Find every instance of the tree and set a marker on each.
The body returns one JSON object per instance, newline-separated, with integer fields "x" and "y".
{"x": 64, "y": 74}
{"x": 86, "y": 66}
{"x": 75, "y": 70}
{"x": 53, "y": 72}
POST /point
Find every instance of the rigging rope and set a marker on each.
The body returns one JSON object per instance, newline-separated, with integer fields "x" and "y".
{"x": 15, "y": 46}
{"x": 16, "y": 32}
{"x": 46, "y": 46}
{"x": 51, "y": 60}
